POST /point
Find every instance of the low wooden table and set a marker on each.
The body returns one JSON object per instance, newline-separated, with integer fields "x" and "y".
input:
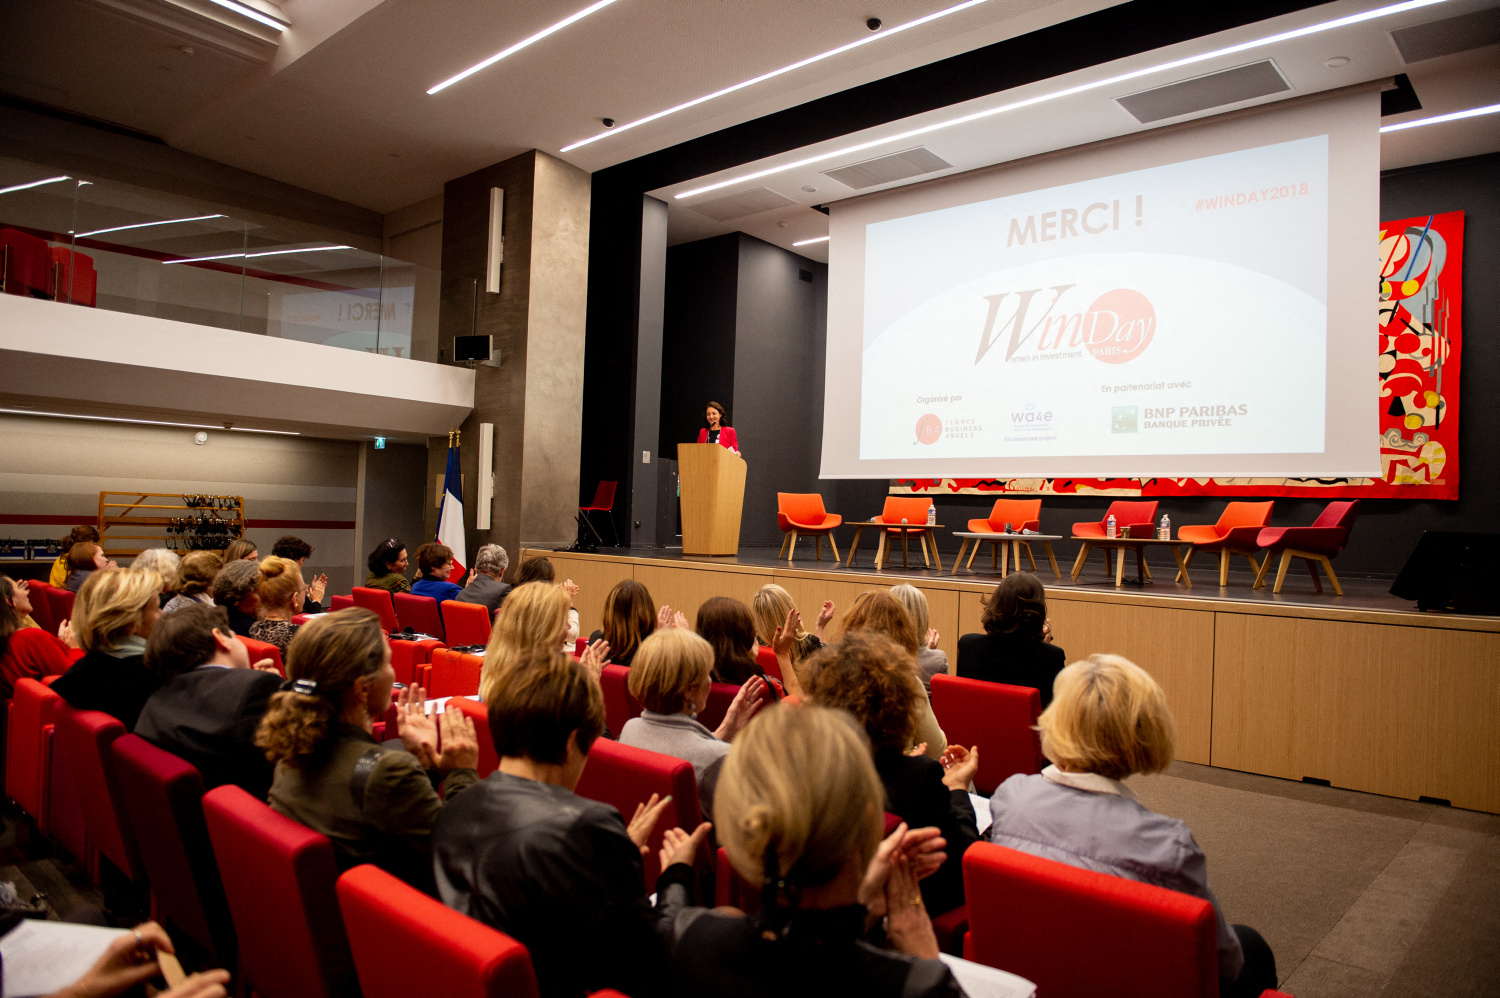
{"x": 1010, "y": 549}
{"x": 1138, "y": 544}
{"x": 924, "y": 530}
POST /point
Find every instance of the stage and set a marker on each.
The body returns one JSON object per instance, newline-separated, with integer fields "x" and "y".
{"x": 1362, "y": 691}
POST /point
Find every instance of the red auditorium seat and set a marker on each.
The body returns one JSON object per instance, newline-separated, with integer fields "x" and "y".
{"x": 410, "y": 658}
{"x": 769, "y": 663}
{"x": 1000, "y": 719}
{"x": 579, "y": 647}
{"x": 477, "y": 712}
{"x": 619, "y": 705}
{"x": 41, "y": 606}
{"x": 453, "y": 674}
{"x": 60, "y": 602}
{"x": 71, "y": 277}
{"x": 337, "y": 603}
{"x": 263, "y": 649}
{"x": 1143, "y": 941}
{"x": 466, "y": 623}
{"x": 379, "y": 601}
{"x": 23, "y": 264}
{"x": 28, "y": 749}
{"x": 86, "y": 740}
{"x": 720, "y": 696}
{"x": 420, "y": 613}
{"x": 625, "y": 776}
{"x": 163, "y": 798}
{"x": 406, "y": 943}
{"x": 279, "y": 879}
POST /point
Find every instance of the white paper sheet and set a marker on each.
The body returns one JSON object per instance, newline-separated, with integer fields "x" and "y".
{"x": 980, "y": 981}
{"x": 982, "y": 814}
{"x": 43, "y": 957}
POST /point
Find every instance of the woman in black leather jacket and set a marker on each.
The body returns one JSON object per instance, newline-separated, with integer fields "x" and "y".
{"x": 810, "y": 834}
{"x": 521, "y": 852}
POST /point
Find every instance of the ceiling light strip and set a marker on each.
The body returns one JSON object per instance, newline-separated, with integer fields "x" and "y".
{"x": 34, "y": 183}
{"x": 1472, "y": 112}
{"x": 777, "y": 72}
{"x": 251, "y": 256}
{"x": 1191, "y": 60}
{"x": 252, "y": 13}
{"x": 518, "y": 46}
{"x": 148, "y": 422}
{"x": 809, "y": 242}
{"x": 145, "y": 225}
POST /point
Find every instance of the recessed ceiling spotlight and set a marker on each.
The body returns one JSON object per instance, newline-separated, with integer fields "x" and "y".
{"x": 518, "y": 46}
{"x": 810, "y": 190}
{"x": 888, "y": 33}
{"x": 1337, "y": 62}
{"x": 1112, "y": 81}
{"x": 1472, "y": 112}
{"x": 809, "y": 242}
{"x": 873, "y": 24}
{"x": 607, "y": 122}
{"x": 186, "y": 50}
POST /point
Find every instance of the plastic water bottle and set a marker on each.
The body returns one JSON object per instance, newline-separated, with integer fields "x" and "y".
{"x": 1164, "y": 529}
{"x": 932, "y": 514}
{"x": 1110, "y": 527}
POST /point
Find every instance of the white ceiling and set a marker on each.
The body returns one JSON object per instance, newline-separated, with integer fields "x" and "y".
{"x": 341, "y": 107}
{"x": 1450, "y": 83}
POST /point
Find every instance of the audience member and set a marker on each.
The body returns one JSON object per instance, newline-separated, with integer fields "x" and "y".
{"x": 1108, "y": 720}
{"x": 84, "y": 559}
{"x": 522, "y": 852}
{"x": 61, "y": 568}
{"x": 166, "y": 564}
{"x": 880, "y": 613}
{"x": 235, "y": 590}
{"x": 296, "y": 549}
{"x": 532, "y": 619}
{"x": 281, "y": 592}
{"x": 1015, "y": 646}
{"x": 387, "y": 565}
{"x": 799, "y": 811}
{"x": 112, "y": 618}
{"x": 125, "y": 967}
{"x": 671, "y": 678}
{"x": 434, "y": 565}
{"x": 376, "y": 803}
{"x": 27, "y": 651}
{"x": 727, "y": 626}
{"x": 875, "y": 679}
{"x": 240, "y": 549}
{"x": 211, "y": 700}
{"x": 485, "y": 586}
{"x": 770, "y": 607}
{"x": 541, "y": 570}
{"x": 195, "y": 577}
{"x": 629, "y": 618}
{"x": 930, "y": 659}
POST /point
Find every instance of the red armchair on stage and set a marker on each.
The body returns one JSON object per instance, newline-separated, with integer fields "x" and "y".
{"x": 1021, "y": 514}
{"x": 1235, "y": 533}
{"x": 800, "y": 515}
{"x": 1132, "y": 519}
{"x": 1315, "y": 544}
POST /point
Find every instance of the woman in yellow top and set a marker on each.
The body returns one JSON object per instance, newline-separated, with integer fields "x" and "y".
{"x": 60, "y": 569}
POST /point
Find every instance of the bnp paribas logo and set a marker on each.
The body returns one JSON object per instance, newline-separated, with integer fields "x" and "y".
{"x": 1115, "y": 328}
{"x": 1124, "y": 419}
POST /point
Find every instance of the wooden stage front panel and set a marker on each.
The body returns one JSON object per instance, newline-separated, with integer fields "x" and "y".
{"x": 1404, "y": 704}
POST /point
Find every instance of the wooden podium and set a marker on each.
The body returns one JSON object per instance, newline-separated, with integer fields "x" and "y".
{"x": 713, "y": 496}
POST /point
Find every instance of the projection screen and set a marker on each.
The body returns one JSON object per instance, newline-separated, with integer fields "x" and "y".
{"x": 1191, "y": 302}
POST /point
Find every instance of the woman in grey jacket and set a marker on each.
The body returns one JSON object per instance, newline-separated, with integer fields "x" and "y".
{"x": 1109, "y": 720}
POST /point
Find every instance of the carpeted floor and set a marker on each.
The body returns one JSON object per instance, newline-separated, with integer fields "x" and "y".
{"x": 1358, "y": 895}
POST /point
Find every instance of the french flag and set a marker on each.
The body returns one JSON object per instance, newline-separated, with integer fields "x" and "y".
{"x": 451, "y": 519}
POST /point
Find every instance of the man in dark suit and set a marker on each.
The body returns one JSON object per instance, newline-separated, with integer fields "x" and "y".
{"x": 485, "y": 587}
{"x": 211, "y": 700}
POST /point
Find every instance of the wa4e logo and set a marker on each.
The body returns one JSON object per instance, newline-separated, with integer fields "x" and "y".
{"x": 1116, "y": 329}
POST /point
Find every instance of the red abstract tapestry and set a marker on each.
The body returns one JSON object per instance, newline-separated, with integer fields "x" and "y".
{"x": 1419, "y": 338}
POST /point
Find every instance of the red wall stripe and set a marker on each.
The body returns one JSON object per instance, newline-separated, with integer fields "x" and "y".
{"x": 59, "y": 520}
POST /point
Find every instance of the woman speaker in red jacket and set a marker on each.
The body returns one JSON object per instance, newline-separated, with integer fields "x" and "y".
{"x": 716, "y": 432}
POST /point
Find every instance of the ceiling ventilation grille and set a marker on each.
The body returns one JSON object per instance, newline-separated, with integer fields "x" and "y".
{"x": 1259, "y": 79}
{"x": 897, "y": 166}
{"x": 1451, "y": 34}
{"x": 742, "y": 204}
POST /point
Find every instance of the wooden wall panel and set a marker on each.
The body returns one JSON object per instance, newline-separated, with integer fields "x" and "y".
{"x": 684, "y": 587}
{"x": 1392, "y": 710}
{"x": 1175, "y": 646}
{"x": 595, "y": 577}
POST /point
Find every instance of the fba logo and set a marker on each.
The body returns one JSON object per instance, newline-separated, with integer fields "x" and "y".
{"x": 1116, "y": 328}
{"x": 929, "y": 429}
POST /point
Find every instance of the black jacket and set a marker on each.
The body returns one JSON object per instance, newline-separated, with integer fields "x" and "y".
{"x": 558, "y": 873}
{"x": 914, "y": 790}
{"x": 239, "y": 621}
{"x": 820, "y": 953}
{"x": 117, "y": 686}
{"x": 1001, "y": 658}
{"x": 208, "y": 716}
